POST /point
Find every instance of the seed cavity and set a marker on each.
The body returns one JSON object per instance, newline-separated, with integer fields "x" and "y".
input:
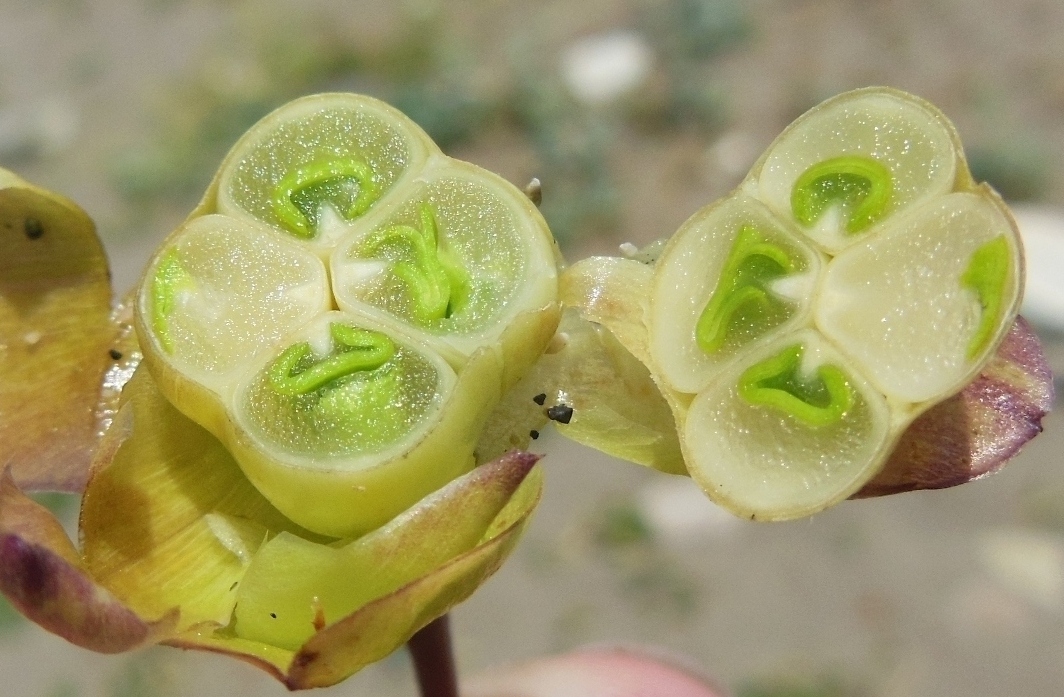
{"x": 741, "y": 298}
{"x": 777, "y": 382}
{"x": 860, "y": 186}
{"x": 986, "y": 275}
{"x": 436, "y": 283}
{"x": 346, "y": 183}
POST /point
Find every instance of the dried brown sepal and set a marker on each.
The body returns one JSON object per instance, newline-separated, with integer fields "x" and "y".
{"x": 42, "y": 575}
{"x": 55, "y": 329}
{"x": 975, "y": 432}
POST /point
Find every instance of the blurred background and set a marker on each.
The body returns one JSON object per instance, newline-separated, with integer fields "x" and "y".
{"x": 634, "y": 114}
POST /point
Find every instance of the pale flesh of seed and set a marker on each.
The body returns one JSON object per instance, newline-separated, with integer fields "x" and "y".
{"x": 899, "y": 306}
{"x": 757, "y": 459}
{"x": 357, "y": 413}
{"x": 226, "y": 291}
{"x": 352, "y": 131}
{"x": 910, "y": 141}
{"x": 479, "y": 247}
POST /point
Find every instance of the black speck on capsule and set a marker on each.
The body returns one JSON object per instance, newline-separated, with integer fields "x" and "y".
{"x": 540, "y": 398}
{"x": 534, "y": 434}
{"x": 562, "y": 413}
{"x": 273, "y": 615}
{"x": 33, "y": 228}
{"x": 115, "y": 354}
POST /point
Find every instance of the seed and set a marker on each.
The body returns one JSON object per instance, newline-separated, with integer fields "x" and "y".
{"x": 562, "y": 413}
{"x": 540, "y": 398}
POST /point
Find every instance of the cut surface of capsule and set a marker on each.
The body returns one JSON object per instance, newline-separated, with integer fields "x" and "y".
{"x": 456, "y": 263}
{"x": 849, "y": 163}
{"x": 221, "y": 292}
{"x": 322, "y": 159}
{"x": 786, "y": 432}
{"x": 732, "y": 277}
{"x": 918, "y": 306}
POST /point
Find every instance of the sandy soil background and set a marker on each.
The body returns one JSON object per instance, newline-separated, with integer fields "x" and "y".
{"x": 128, "y": 106}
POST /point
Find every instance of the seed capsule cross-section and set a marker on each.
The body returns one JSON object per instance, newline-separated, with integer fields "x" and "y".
{"x": 445, "y": 281}
{"x": 856, "y": 278}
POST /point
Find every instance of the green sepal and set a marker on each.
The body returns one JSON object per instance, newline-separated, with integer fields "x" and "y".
{"x": 298, "y": 195}
{"x": 986, "y": 274}
{"x": 859, "y": 183}
{"x": 775, "y": 382}
{"x": 751, "y": 263}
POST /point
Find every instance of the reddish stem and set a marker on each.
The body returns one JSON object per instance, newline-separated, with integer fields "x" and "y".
{"x": 433, "y": 659}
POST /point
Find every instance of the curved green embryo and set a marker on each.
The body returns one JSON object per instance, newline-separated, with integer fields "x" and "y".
{"x": 740, "y": 290}
{"x": 860, "y": 185}
{"x": 436, "y": 283}
{"x": 347, "y": 184}
{"x": 986, "y": 274}
{"x": 170, "y": 278}
{"x": 358, "y": 350}
{"x": 776, "y": 382}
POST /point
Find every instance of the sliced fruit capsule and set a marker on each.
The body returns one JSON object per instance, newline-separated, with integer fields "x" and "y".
{"x": 732, "y": 277}
{"x": 319, "y": 163}
{"x": 845, "y": 165}
{"x": 787, "y": 431}
{"x": 919, "y": 307}
{"x": 219, "y": 294}
{"x": 456, "y": 262}
{"x": 351, "y": 422}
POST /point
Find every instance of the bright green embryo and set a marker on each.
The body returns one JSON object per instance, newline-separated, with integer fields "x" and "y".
{"x": 776, "y": 382}
{"x": 359, "y": 349}
{"x": 169, "y": 280}
{"x": 436, "y": 284}
{"x": 861, "y": 186}
{"x": 346, "y": 183}
{"x": 740, "y": 299}
{"x": 986, "y": 275}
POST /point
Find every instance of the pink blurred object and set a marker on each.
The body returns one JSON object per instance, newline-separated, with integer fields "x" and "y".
{"x": 594, "y": 672}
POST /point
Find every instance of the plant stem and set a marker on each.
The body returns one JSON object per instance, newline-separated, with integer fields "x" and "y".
{"x": 433, "y": 659}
